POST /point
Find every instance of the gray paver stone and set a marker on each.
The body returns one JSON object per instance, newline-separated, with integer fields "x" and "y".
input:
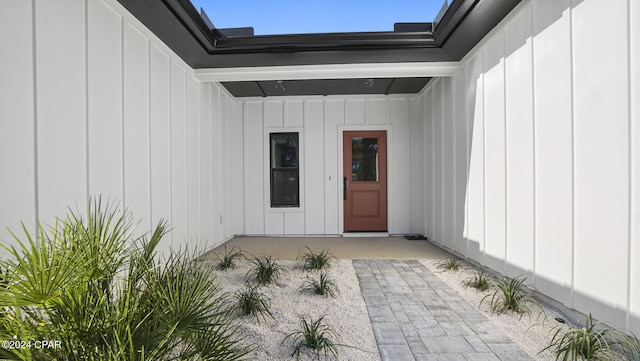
{"x": 456, "y": 328}
{"x": 440, "y": 357}
{"x": 509, "y": 352}
{"x": 388, "y": 334}
{"x": 488, "y": 356}
{"x": 477, "y": 343}
{"x": 395, "y": 353}
{"x": 416, "y": 345}
{"x": 447, "y": 344}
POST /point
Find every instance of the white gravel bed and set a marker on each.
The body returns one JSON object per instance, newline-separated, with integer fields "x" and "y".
{"x": 346, "y": 314}
{"x": 531, "y": 332}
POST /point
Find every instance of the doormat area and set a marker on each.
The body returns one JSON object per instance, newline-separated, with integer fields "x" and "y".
{"x": 415, "y": 237}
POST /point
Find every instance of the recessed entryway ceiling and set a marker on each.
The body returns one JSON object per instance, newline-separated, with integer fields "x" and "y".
{"x": 326, "y": 87}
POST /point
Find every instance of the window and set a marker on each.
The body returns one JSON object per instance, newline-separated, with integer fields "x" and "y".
{"x": 285, "y": 174}
{"x": 364, "y": 155}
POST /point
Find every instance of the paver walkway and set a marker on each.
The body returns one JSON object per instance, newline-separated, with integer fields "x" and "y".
{"x": 416, "y": 316}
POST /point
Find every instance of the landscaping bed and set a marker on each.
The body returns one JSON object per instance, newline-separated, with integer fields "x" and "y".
{"x": 346, "y": 313}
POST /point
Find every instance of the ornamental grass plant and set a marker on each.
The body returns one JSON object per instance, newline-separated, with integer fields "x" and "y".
{"x": 250, "y": 301}
{"x": 593, "y": 341}
{"x": 228, "y": 259}
{"x": 323, "y": 285}
{"x": 265, "y": 271}
{"x": 510, "y": 294}
{"x": 479, "y": 281}
{"x": 316, "y": 336}
{"x": 310, "y": 260}
{"x": 449, "y": 264}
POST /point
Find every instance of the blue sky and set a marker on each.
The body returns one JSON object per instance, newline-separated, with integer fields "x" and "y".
{"x": 313, "y": 16}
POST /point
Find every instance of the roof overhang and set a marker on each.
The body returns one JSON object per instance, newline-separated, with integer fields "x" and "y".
{"x": 235, "y": 55}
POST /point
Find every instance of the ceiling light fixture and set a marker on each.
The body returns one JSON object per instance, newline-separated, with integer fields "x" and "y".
{"x": 369, "y": 82}
{"x": 280, "y": 86}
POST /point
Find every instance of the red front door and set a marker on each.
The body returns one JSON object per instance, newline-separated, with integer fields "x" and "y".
{"x": 365, "y": 181}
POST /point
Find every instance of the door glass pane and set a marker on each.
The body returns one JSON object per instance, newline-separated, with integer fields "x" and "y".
{"x": 364, "y": 159}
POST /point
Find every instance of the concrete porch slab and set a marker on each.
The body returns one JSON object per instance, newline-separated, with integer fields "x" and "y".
{"x": 394, "y": 247}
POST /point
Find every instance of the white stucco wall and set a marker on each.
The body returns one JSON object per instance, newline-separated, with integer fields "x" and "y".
{"x": 320, "y": 121}
{"x": 92, "y": 103}
{"x": 534, "y": 169}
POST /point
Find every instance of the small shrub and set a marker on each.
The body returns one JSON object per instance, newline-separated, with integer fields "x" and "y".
{"x": 311, "y": 260}
{"x": 510, "y": 295}
{"x": 315, "y": 335}
{"x": 265, "y": 271}
{"x": 479, "y": 281}
{"x": 250, "y": 301}
{"x": 323, "y": 286}
{"x": 449, "y": 264}
{"x": 228, "y": 260}
{"x": 594, "y": 341}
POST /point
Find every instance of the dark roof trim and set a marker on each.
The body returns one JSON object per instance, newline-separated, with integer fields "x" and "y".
{"x": 320, "y": 42}
{"x": 194, "y": 38}
{"x": 452, "y": 18}
{"x": 189, "y": 17}
{"x": 233, "y": 41}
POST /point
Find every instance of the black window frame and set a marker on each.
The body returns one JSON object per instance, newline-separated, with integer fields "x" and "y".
{"x": 276, "y": 201}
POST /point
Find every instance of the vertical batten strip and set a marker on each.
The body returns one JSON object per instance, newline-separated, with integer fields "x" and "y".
{"x": 186, "y": 155}
{"x": 533, "y": 143}
{"x": 467, "y": 157}
{"x": 443, "y": 215}
{"x": 122, "y": 113}
{"x": 505, "y": 136}
{"x": 433, "y": 163}
{"x": 629, "y": 166}
{"x": 484, "y": 159}
{"x": 36, "y": 163}
{"x": 454, "y": 182}
{"x": 170, "y": 145}
{"x": 573, "y": 156}
{"x": 149, "y": 137}
{"x": 86, "y": 101}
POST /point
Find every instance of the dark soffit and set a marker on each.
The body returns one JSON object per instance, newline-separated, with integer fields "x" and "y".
{"x": 326, "y": 87}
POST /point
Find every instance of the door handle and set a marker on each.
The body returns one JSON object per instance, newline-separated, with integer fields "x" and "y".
{"x": 345, "y": 186}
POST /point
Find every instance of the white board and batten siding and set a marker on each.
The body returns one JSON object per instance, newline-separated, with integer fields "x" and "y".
{"x": 93, "y": 104}
{"x": 546, "y": 139}
{"x": 320, "y": 122}
{"x": 527, "y": 160}
{"x": 17, "y": 126}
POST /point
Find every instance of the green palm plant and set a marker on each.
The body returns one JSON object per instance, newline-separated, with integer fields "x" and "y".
{"x": 594, "y": 341}
{"x": 106, "y": 295}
